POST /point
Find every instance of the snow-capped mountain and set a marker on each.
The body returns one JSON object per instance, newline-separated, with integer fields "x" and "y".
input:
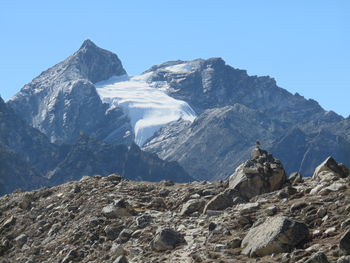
{"x": 204, "y": 114}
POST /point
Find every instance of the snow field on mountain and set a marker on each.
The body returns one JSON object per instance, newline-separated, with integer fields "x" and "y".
{"x": 146, "y": 103}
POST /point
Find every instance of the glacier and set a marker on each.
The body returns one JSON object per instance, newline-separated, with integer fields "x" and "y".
{"x": 147, "y": 104}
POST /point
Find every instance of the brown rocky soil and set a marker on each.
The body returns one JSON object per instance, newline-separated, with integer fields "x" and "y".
{"x": 72, "y": 223}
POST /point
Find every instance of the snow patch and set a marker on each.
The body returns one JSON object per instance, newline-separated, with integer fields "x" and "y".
{"x": 146, "y": 103}
{"x": 180, "y": 68}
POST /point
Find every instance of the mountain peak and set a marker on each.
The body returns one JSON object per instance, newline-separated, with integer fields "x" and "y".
{"x": 88, "y": 44}
{"x": 95, "y": 63}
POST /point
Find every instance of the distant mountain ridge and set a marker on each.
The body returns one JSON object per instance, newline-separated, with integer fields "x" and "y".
{"x": 28, "y": 160}
{"x": 233, "y": 110}
{"x": 267, "y": 112}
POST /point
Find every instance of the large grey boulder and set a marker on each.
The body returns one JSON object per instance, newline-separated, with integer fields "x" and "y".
{"x": 167, "y": 239}
{"x": 119, "y": 208}
{"x": 330, "y": 169}
{"x": 276, "y": 235}
{"x": 191, "y": 206}
{"x": 262, "y": 174}
{"x": 224, "y": 200}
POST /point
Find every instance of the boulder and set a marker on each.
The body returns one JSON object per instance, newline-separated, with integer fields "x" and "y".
{"x": 218, "y": 202}
{"x": 143, "y": 221}
{"x": 191, "y": 206}
{"x": 336, "y": 186}
{"x": 344, "y": 243}
{"x": 25, "y": 201}
{"x": 113, "y": 231}
{"x": 318, "y": 257}
{"x": 119, "y": 208}
{"x": 167, "y": 239}
{"x": 125, "y": 235}
{"x": 114, "y": 178}
{"x": 276, "y": 235}
{"x": 247, "y": 208}
{"x": 262, "y": 174}
{"x": 330, "y": 169}
{"x": 234, "y": 243}
{"x": 224, "y": 200}
{"x": 21, "y": 240}
{"x": 158, "y": 203}
{"x": 271, "y": 210}
{"x": 295, "y": 178}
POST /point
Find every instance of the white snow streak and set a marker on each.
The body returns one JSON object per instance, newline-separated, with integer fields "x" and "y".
{"x": 180, "y": 68}
{"x": 147, "y": 104}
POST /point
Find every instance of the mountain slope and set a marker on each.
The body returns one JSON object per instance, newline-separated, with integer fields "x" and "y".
{"x": 16, "y": 173}
{"x": 216, "y": 142}
{"x": 28, "y": 160}
{"x": 33, "y": 146}
{"x": 207, "y": 148}
{"x": 63, "y": 101}
{"x": 90, "y": 157}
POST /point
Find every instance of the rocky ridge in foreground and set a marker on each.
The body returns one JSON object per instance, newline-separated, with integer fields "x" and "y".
{"x": 111, "y": 219}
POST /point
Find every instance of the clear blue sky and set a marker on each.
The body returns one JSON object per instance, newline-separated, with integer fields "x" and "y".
{"x": 304, "y": 45}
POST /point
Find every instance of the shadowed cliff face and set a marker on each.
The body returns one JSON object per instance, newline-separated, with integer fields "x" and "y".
{"x": 90, "y": 157}
{"x": 32, "y": 145}
{"x": 17, "y": 173}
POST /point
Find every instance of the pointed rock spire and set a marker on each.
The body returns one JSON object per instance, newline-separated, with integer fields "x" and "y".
{"x": 88, "y": 44}
{"x": 95, "y": 63}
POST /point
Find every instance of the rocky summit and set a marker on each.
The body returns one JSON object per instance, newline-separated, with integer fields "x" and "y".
{"x": 112, "y": 219}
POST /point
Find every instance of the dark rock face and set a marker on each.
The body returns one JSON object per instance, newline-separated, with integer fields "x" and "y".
{"x": 296, "y": 130}
{"x": 96, "y": 64}
{"x": 211, "y": 84}
{"x": 63, "y": 101}
{"x": 16, "y": 173}
{"x": 89, "y": 157}
{"x": 216, "y": 142}
{"x": 25, "y": 153}
{"x": 28, "y": 159}
{"x": 303, "y": 151}
{"x": 29, "y": 143}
